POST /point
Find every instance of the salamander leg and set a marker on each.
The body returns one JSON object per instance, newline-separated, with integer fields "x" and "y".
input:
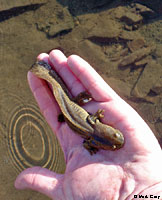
{"x": 98, "y": 115}
{"x": 82, "y": 98}
{"x": 87, "y": 145}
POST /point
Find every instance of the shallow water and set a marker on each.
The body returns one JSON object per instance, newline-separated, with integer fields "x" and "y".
{"x": 96, "y": 33}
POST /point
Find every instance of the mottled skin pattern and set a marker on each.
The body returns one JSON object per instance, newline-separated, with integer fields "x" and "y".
{"x": 96, "y": 134}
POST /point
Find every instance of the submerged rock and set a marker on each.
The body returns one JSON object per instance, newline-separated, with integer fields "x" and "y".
{"x": 126, "y": 15}
{"x": 148, "y": 80}
{"x": 105, "y": 31}
{"x": 6, "y": 5}
{"x": 135, "y": 56}
{"x": 57, "y": 21}
{"x": 136, "y": 44}
{"x": 143, "y": 10}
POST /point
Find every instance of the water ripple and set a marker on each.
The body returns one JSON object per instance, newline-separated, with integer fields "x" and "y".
{"x": 30, "y": 140}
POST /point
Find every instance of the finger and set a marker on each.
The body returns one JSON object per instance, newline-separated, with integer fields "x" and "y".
{"x": 91, "y": 79}
{"x": 41, "y": 180}
{"x": 59, "y": 62}
{"x": 43, "y": 56}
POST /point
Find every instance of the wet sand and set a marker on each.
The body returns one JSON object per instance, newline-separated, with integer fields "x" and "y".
{"x": 121, "y": 40}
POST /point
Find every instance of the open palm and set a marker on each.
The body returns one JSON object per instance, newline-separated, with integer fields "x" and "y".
{"x": 121, "y": 174}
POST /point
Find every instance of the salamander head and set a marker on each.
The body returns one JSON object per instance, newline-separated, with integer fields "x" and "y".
{"x": 106, "y": 137}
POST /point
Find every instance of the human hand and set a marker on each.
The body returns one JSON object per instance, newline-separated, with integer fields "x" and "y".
{"x": 121, "y": 174}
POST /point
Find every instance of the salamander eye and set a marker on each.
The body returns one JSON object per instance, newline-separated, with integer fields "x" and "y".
{"x": 116, "y": 135}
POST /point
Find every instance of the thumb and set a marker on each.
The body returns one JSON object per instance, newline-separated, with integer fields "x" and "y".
{"x": 41, "y": 180}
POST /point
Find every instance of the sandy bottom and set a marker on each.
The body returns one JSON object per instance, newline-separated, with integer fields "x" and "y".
{"x": 123, "y": 42}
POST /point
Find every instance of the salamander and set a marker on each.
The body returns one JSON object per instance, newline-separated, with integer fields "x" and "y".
{"x": 96, "y": 135}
